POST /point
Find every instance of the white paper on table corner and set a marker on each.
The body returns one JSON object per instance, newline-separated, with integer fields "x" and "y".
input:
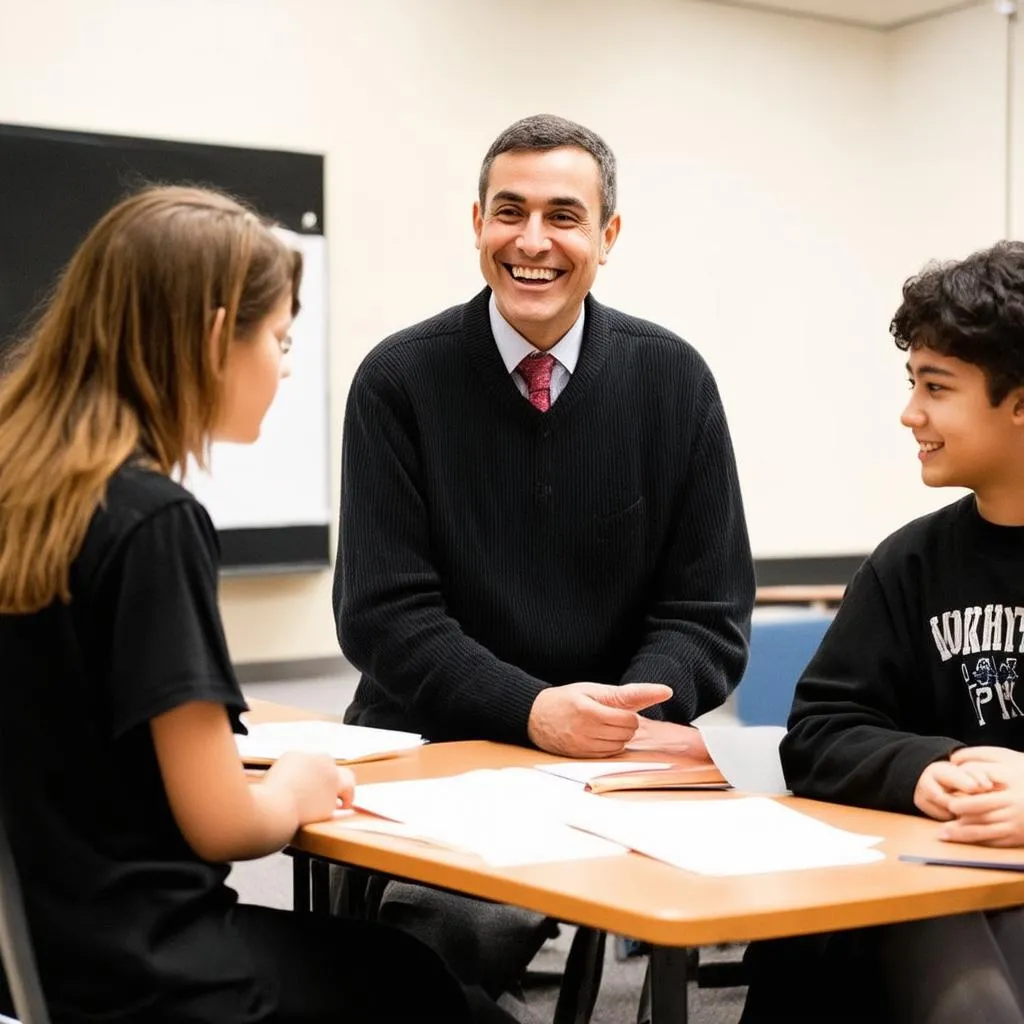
{"x": 751, "y": 835}
{"x": 507, "y": 816}
{"x": 387, "y": 827}
{"x": 548, "y": 843}
{"x": 487, "y": 791}
{"x": 747, "y": 755}
{"x": 584, "y": 771}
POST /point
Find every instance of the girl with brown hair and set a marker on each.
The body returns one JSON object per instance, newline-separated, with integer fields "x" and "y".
{"x": 120, "y": 782}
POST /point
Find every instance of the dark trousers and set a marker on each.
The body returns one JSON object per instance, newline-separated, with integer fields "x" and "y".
{"x": 350, "y": 972}
{"x": 944, "y": 970}
{"x": 486, "y": 945}
{"x": 305, "y": 970}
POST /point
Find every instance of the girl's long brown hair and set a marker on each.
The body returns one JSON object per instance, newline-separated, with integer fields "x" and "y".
{"x": 121, "y": 362}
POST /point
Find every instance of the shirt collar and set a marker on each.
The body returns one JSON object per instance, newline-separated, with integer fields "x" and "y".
{"x": 514, "y": 348}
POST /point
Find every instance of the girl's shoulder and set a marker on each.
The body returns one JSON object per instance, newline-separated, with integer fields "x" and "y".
{"x": 144, "y": 509}
{"x": 136, "y": 488}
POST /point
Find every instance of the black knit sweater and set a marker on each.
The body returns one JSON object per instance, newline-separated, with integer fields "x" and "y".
{"x": 488, "y": 550}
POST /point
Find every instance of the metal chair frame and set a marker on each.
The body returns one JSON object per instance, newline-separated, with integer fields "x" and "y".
{"x": 16, "y": 952}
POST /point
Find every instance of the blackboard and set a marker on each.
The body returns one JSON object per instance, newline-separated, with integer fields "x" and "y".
{"x": 270, "y": 502}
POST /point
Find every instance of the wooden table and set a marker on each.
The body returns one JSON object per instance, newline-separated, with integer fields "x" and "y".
{"x": 817, "y": 595}
{"x": 644, "y": 899}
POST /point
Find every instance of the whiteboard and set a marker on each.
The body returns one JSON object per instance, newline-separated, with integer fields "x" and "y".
{"x": 282, "y": 479}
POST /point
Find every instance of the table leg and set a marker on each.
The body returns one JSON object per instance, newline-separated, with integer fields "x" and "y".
{"x": 300, "y": 882}
{"x": 581, "y": 980}
{"x": 664, "y": 996}
{"x": 320, "y": 876}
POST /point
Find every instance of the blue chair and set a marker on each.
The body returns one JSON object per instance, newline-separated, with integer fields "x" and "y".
{"x": 781, "y": 644}
{"x": 782, "y": 641}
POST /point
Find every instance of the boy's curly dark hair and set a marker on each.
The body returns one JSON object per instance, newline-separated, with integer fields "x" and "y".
{"x": 971, "y": 309}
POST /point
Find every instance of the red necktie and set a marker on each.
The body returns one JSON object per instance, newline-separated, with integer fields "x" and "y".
{"x": 536, "y": 371}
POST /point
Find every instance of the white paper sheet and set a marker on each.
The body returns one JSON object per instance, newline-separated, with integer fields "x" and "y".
{"x": 748, "y": 756}
{"x": 269, "y": 740}
{"x": 744, "y": 836}
{"x": 386, "y": 827}
{"x": 583, "y": 771}
{"x": 508, "y": 816}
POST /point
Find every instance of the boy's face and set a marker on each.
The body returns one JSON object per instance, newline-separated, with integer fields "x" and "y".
{"x": 963, "y": 440}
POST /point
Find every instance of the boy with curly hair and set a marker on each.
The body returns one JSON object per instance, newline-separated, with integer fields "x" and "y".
{"x": 910, "y": 702}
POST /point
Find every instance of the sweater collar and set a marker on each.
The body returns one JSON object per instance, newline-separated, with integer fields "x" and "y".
{"x": 485, "y": 356}
{"x": 988, "y": 537}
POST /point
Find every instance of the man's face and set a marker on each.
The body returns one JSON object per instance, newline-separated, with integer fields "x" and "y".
{"x": 540, "y": 238}
{"x": 963, "y": 440}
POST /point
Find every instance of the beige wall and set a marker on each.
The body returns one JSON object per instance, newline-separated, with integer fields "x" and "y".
{"x": 1015, "y": 215}
{"x": 762, "y": 159}
{"x": 946, "y": 171}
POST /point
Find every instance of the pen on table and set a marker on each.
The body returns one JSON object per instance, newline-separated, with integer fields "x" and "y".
{"x": 958, "y": 862}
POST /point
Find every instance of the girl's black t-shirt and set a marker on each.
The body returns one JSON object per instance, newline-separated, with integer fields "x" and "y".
{"x": 128, "y": 923}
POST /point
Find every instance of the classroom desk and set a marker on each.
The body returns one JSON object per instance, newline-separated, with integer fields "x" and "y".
{"x": 644, "y": 899}
{"x": 818, "y": 595}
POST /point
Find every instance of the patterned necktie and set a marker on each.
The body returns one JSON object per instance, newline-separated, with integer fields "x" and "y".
{"x": 536, "y": 371}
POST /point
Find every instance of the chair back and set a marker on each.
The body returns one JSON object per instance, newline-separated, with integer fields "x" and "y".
{"x": 781, "y": 644}
{"x": 19, "y": 961}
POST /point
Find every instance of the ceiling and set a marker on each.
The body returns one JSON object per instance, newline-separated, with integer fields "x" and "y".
{"x": 874, "y": 13}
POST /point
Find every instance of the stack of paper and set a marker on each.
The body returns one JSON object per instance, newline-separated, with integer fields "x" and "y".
{"x": 515, "y": 816}
{"x": 507, "y": 816}
{"x": 744, "y": 836}
{"x": 268, "y": 741}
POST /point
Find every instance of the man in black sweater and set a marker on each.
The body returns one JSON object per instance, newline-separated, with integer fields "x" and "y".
{"x": 542, "y": 533}
{"x": 909, "y": 704}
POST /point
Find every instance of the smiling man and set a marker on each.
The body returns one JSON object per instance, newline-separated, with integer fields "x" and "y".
{"x": 543, "y": 228}
{"x": 542, "y": 536}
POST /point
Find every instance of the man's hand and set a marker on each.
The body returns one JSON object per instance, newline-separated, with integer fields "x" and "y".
{"x": 590, "y": 719}
{"x": 675, "y": 739}
{"x": 941, "y": 781}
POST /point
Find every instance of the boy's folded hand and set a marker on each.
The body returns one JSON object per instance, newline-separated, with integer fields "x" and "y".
{"x": 995, "y": 818}
{"x": 1011, "y": 760}
{"x": 943, "y": 780}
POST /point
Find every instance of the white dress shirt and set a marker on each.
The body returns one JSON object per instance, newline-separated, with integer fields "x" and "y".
{"x": 514, "y": 348}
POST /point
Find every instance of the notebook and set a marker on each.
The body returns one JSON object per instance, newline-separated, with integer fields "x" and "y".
{"x": 267, "y": 741}
{"x": 674, "y": 777}
{"x": 624, "y": 775}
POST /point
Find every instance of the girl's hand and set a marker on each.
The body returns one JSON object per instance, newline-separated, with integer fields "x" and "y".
{"x": 314, "y": 782}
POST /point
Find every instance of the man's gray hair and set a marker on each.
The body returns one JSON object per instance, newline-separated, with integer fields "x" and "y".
{"x": 548, "y": 131}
